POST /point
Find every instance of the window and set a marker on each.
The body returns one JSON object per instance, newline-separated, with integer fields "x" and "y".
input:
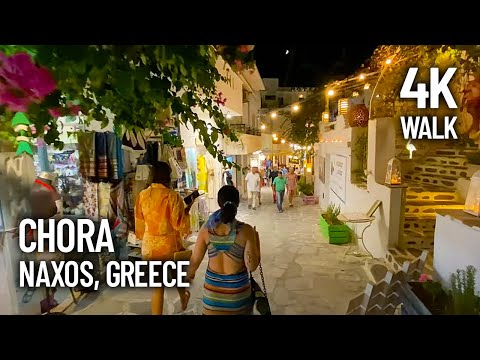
{"x": 270, "y": 97}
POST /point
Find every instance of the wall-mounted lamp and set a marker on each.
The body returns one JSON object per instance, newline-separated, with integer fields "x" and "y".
{"x": 295, "y": 107}
{"x": 411, "y": 148}
{"x": 263, "y": 127}
{"x": 229, "y": 116}
{"x": 273, "y": 115}
{"x": 362, "y": 77}
{"x": 331, "y": 92}
{"x": 366, "y": 87}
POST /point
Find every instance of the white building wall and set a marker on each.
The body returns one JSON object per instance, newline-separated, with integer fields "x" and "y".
{"x": 386, "y": 228}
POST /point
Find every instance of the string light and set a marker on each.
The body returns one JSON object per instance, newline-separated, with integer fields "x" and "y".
{"x": 331, "y": 92}
{"x": 274, "y": 135}
{"x": 362, "y": 77}
{"x": 273, "y": 115}
{"x": 291, "y": 145}
{"x": 366, "y": 87}
{"x": 283, "y": 141}
{"x": 263, "y": 127}
{"x": 295, "y": 107}
{"x": 388, "y": 61}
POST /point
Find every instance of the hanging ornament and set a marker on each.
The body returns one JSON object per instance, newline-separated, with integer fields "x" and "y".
{"x": 358, "y": 116}
{"x": 21, "y": 125}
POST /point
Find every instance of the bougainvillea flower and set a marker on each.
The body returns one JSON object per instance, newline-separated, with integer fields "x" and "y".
{"x": 46, "y": 128}
{"x": 239, "y": 64}
{"x": 74, "y": 109}
{"x": 23, "y": 82}
{"x": 55, "y": 112}
{"x": 13, "y": 100}
{"x": 33, "y": 129}
{"x": 424, "y": 278}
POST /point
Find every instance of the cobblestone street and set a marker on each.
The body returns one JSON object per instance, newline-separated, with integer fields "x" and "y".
{"x": 304, "y": 274}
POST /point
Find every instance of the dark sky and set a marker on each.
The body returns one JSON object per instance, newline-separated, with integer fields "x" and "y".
{"x": 310, "y": 65}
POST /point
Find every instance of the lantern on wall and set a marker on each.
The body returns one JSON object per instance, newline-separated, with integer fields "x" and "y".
{"x": 358, "y": 115}
{"x": 394, "y": 172}
{"x": 325, "y": 117}
{"x": 342, "y": 106}
{"x": 472, "y": 203}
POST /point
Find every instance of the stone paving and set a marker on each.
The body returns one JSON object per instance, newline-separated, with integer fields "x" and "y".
{"x": 304, "y": 274}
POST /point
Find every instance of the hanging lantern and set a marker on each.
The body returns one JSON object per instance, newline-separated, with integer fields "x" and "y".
{"x": 343, "y": 106}
{"x": 394, "y": 172}
{"x": 472, "y": 203}
{"x": 358, "y": 116}
{"x": 325, "y": 117}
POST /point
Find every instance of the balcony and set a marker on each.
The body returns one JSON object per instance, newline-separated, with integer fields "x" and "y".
{"x": 243, "y": 129}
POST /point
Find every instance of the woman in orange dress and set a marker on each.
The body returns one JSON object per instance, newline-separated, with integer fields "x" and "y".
{"x": 162, "y": 221}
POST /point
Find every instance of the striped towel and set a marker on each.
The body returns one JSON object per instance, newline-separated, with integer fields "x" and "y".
{"x": 227, "y": 294}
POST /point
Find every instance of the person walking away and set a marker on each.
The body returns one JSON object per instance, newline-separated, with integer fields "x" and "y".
{"x": 291, "y": 186}
{"x": 162, "y": 221}
{"x": 279, "y": 184}
{"x": 252, "y": 181}
{"x": 273, "y": 175}
{"x": 233, "y": 251}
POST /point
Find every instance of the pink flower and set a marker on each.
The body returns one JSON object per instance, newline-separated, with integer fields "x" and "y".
{"x": 23, "y": 82}
{"x": 46, "y": 128}
{"x": 33, "y": 129}
{"x": 424, "y": 278}
{"x": 74, "y": 109}
{"x": 55, "y": 112}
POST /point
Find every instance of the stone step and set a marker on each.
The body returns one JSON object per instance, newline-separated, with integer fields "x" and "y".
{"x": 453, "y": 151}
{"x": 417, "y": 187}
{"x": 431, "y": 197}
{"x": 451, "y": 161}
{"x": 429, "y": 179}
{"x": 429, "y": 210}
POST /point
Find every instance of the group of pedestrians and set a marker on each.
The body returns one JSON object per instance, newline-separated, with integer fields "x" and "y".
{"x": 282, "y": 181}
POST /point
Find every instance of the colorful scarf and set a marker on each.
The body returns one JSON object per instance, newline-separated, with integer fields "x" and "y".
{"x": 86, "y": 148}
{"x": 112, "y": 155}
{"x": 101, "y": 152}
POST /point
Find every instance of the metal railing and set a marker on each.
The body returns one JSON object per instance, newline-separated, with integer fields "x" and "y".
{"x": 246, "y": 130}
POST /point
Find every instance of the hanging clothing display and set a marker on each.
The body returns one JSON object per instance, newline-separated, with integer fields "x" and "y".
{"x": 103, "y": 200}
{"x": 112, "y": 155}
{"x": 90, "y": 199}
{"x": 86, "y": 148}
{"x": 191, "y": 173}
{"x": 101, "y": 155}
{"x": 215, "y": 173}
{"x": 117, "y": 217}
{"x": 120, "y": 160}
{"x": 202, "y": 173}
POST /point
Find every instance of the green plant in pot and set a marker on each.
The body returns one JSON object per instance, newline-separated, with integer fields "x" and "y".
{"x": 305, "y": 188}
{"x": 334, "y": 229}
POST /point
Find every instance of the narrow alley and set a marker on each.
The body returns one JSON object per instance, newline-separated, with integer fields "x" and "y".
{"x": 304, "y": 274}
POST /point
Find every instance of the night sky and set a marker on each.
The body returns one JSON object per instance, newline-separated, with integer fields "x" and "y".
{"x": 310, "y": 65}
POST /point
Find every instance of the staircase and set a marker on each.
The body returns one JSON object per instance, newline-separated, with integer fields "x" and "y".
{"x": 431, "y": 186}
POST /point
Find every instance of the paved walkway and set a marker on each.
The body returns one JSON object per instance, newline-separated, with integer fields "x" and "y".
{"x": 304, "y": 274}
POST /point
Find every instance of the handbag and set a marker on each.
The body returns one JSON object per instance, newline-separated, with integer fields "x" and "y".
{"x": 259, "y": 296}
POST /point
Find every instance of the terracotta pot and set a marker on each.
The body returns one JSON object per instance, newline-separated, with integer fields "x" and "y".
{"x": 358, "y": 115}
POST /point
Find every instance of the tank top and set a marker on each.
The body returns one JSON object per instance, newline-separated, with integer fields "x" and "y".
{"x": 226, "y": 244}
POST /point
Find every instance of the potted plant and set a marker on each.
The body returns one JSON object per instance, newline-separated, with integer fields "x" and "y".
{"x": 335, "y": 230}
{"x": 428, "y": 297}
{"x": 307, "y": 190}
